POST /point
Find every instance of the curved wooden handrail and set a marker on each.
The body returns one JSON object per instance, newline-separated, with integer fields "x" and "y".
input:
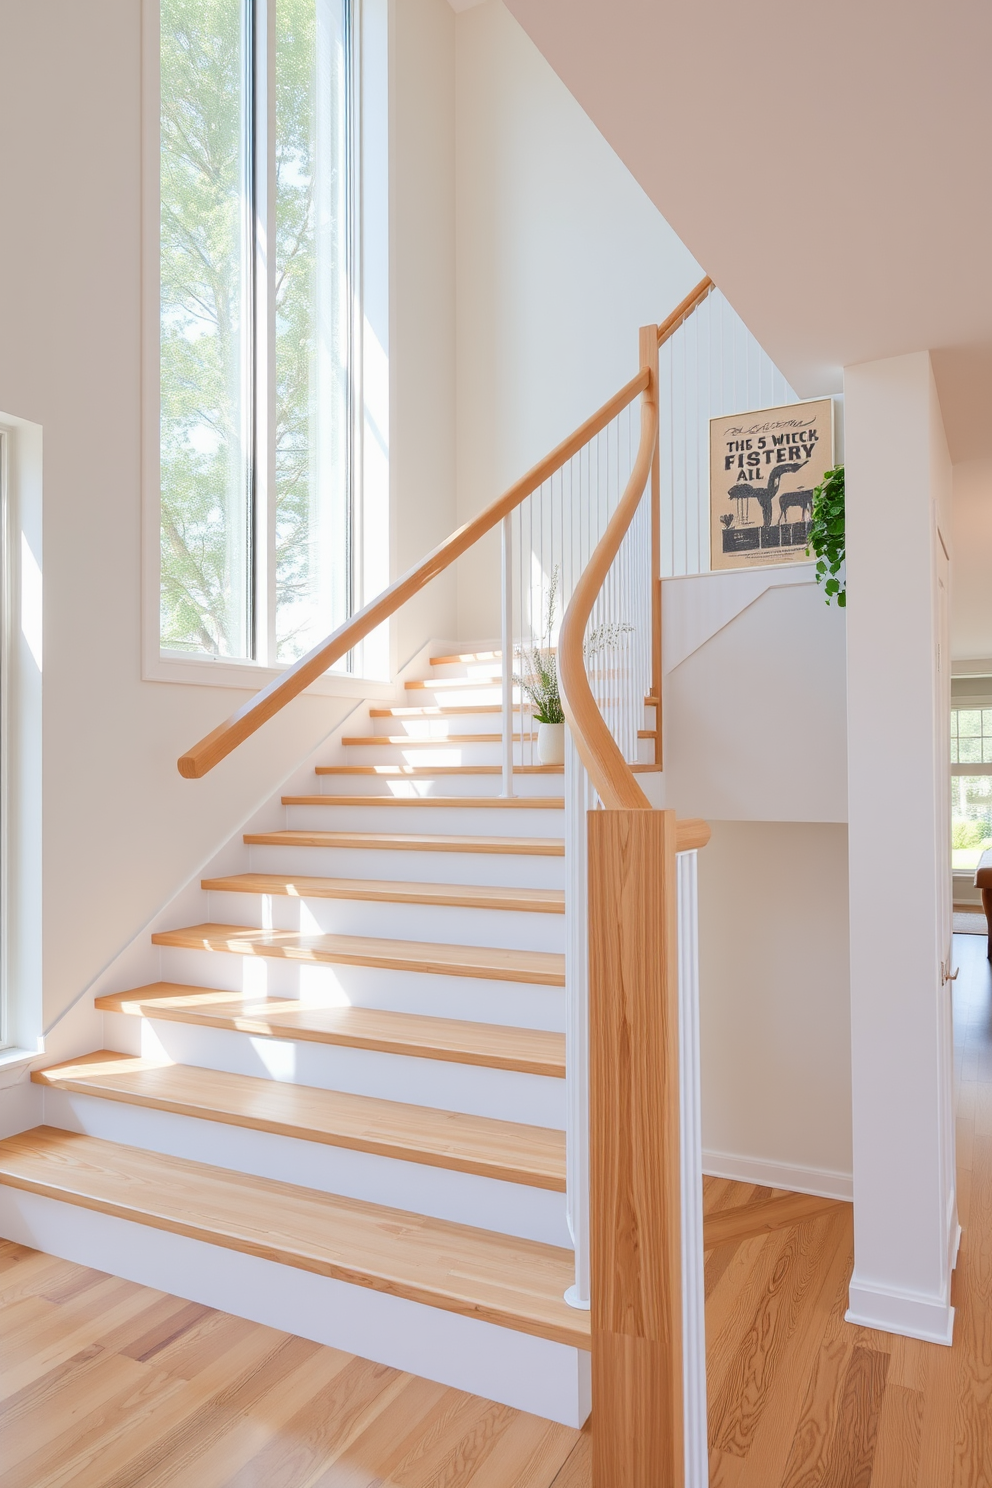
{"x": 607, "y": 769}
{"x": 609, "y": 772}
{"x": 219, "y": 743}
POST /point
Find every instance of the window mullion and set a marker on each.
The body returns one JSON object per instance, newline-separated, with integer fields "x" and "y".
{"x": 264, "y": 337}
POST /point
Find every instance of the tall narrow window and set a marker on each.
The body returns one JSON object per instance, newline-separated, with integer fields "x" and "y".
{"x": 971, "y": 784}
{"x": 257, "y": 220}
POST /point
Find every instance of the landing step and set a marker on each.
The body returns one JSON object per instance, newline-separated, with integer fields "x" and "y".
{"x": 531, "y": 1155}
{"x": 513, "y": 803}
{"x": 539, "y": 847}
{"x": 532, "y": 1051}
{"x": 514, "y": 1283}
{"x": 461, "y": 896}
{"x": 428, "y": 770}
{"x": 491, "y": 963}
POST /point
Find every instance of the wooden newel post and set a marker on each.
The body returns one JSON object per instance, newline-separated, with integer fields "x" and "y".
{"x": 635, "y": 1220}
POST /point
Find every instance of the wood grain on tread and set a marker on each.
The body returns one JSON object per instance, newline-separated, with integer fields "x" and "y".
{"x": 533, "y": 1051}
{"x": 514, "y": 1283}
{"x": 729, "y": 1225}
{"x": 491, "y": 963}
{"x": 462, "y": 896}
{"x": 427, "y": 770}
{"x": 530, "y": 1155}
{"x": 468, "y": 803}
{"x": 539, "y": 847}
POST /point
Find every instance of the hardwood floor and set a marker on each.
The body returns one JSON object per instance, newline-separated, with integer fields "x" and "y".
{"x": 104, "y": 1384}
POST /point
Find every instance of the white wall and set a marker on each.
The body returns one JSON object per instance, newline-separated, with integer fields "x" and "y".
{"x": 774, "y": 1005}
{"x": 971, "y": 602}
{"x": 122, "y": 831}
{"x": 755, "y": 714}
{"x": 560, "y": 258}
{"x": 898, "y": 485}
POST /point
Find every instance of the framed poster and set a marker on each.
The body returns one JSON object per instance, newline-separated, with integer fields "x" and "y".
{"x": 763, "y": 468}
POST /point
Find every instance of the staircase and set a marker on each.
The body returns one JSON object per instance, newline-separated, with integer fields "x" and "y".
{"x": 341, "y": 1110}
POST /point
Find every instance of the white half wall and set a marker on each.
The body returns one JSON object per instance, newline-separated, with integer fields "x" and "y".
{"x": 774, "y": 1005}
{"x": 898, "y": 494}
{"x": 754, "y": 698}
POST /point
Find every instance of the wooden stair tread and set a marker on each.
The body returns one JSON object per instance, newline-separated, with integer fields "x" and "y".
{"x": 541, "y": 847}
{"x": 494, "y": 963}
{"x": 426, "y": 742}
{"x": 438, "y": 712}
{"x": 530, "y": 1155}
{"x": 437, "y": 769}
{"x": 533, "y": 1051}
{"x": 528, "y": 803}
{"x": 441, "y": 684}
{"x": 467, "y": 657}
{"x": 547, "y": 901}
{"x": 515, "y": 1283}
{"x": 747, "y": 1220}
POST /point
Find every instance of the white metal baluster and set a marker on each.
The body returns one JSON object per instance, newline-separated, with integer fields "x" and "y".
{"x": 506, "y": 641}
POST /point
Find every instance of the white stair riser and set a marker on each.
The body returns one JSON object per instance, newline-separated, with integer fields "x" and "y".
{"x": 484, "y": 670}
{"x": 455, "y": 821}
{"x": 530, "y": 1374}
{"x": 511, "y": 870}
{"x": 438, "y": 753}
{"x": 538, "y": 784}
{"x": 447, "y": 924}
{"x": 438, "y": 725}
{"x": 429, "y": 994}
{"x": 508, "y": 1095}
{"x": 463, "y": 1198}
{"x": 438, "y": 695}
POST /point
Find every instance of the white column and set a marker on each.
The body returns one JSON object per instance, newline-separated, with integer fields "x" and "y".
{"x": 898, "y": 480}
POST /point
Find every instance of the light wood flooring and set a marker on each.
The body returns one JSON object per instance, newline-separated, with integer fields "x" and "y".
{"x": 104, "y": 1384}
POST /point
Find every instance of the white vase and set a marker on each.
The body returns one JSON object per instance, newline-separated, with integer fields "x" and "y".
{"x": 551, "y": 743}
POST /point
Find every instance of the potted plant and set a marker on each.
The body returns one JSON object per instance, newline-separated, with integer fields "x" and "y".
{"x": 538, "y": 680}
{"x": 826, "y": 535}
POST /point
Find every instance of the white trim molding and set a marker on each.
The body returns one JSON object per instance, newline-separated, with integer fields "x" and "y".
{"x": 872, "y": 1305}
{"x": 822, "y": 1182}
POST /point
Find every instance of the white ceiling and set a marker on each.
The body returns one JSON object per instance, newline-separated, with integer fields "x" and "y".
{"x": 829, "y": 165}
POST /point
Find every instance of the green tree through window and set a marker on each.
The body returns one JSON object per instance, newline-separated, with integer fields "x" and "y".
{"x": 220, "y": 501}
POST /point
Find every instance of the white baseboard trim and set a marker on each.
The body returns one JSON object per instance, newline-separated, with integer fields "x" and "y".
{"x": 823, "y": 1182}
{"x": 530, "y": 1374}
{"x": 907, "y": 1313}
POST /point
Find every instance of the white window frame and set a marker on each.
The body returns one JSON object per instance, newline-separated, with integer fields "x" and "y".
{"x": 371, "y": 568}
{"x": 21, "y": 661}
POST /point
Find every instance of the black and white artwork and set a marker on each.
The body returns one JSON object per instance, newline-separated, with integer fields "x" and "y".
{"x": 764, "y": 467}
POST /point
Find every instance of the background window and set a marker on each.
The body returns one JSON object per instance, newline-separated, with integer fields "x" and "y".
{"x": 971, "y": 789}
{"x": 256, "y": 405}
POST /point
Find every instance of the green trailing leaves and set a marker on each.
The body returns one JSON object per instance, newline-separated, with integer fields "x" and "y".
{"x": 826, "y": 535}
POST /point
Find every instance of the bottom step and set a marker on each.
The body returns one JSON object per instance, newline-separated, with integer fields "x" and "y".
{"x": 481, "y": 1311}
